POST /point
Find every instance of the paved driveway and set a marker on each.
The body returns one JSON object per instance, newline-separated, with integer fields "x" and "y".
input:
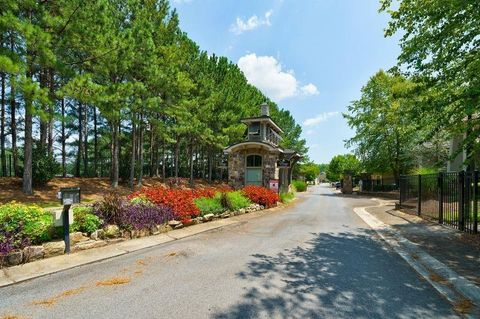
{"x": 316, "y": 259}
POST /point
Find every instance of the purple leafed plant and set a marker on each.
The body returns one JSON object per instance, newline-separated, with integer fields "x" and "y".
{"x": 142, "y": 216}
{"x": 11, "y": 240}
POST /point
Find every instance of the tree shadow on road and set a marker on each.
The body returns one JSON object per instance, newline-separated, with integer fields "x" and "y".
{"x": 345, "y": 275}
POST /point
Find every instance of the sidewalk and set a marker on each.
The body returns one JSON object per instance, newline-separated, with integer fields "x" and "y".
{"x": 459, "y": 251}
{"x": 448, "y": 259}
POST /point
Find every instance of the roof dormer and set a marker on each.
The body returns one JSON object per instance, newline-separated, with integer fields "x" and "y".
{"x": 263, "y": 128}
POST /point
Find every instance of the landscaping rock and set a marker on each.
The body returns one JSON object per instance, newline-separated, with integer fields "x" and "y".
{"x": 225, "y": 215}
{"x": 32, "y": 253}
{"x": 89, "y": 244}
{"x": 98, "y": 234}
{"x": 240, "y": 212}
{"x": 112, "y": 231}
{"x": 115, "y": 240}
{"x": 125, "y": 234}
{"x": 54, "y": 248}
{"x": 164, "y": 228}
{"x": 77, "y": 237}
{"x": 178, "y": 226}
{"x": 15, "y": 258}
{"x": 187, "y": 223}
{"x": 174, "y": 223}
{"x": 143, "y": 232}
{"x": 208, "y": 217}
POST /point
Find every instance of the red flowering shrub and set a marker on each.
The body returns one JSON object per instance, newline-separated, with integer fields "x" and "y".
{"x": 261, "y": 195}
{"x": 179, "y": 200}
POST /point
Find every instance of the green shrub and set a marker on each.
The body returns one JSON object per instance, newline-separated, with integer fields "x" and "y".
{"x": 234, "y": 200}
{"x": 84, "y": 220}
{"x": 44, "y": 166}
{"x": 286, "y": 197}
{"x": 143, "y": 200}
{"x": 300, "y": 186}
{"x": 209, "y": 205}
{"x": 32, "y": 221}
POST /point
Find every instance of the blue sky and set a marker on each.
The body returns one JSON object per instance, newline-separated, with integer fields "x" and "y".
{"x": 310, "y": 56}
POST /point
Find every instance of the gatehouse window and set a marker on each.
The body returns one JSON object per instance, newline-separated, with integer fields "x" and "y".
{"x": 254, "y": 161}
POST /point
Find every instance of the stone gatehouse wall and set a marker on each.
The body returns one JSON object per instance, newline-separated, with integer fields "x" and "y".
{"x": 236, "y": 167}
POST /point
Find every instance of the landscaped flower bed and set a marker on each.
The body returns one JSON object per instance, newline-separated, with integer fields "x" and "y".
{"x": 261, "y": 195}
{"x": 181, "y": 201}
{"x": 26, "y": 231}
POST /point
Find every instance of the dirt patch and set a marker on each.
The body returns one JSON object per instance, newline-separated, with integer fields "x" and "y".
{"x": 13, "y": 317}
{"x": 437, "y": 278}
{"x": 51, "y": 301}
{"x": 45, "y": 302}
{"x": 114, "y": 281}
{"x": 463, "y": 306}
{"x": 92, "y": 188}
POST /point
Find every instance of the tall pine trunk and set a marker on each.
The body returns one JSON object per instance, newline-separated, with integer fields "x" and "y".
{"x": 95, "y": 143}
{"x": 51, "y": 110}
{"x": 80, "y": 141}
{"x": 131, "y": 182}
{"x": 140, "y": 152}
{"x": 177, "y": 153}
{"x": 210, "y": 166}
{"x": 164, "y": 164}
{"x": 85, "y": 142}
{"x": 152, "y": 150}
{"x": 43, "y": 120}
{"x": 115, "y": 150}
{"x": 64, "y": 140}
{"x": 3, "y": 155}
{"x": 191, "y": 162}
{"x": 27, "y": 180}
{"x": 13, "y": 125}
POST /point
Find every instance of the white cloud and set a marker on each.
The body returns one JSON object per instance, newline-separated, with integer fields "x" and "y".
{"x": 251, "y": 23}
{"x": 309, "y": 89}
{"x": 181, "y": 1}
{"x": 266, "y": 73}
{"x": 319, "y": 118}
{"x": 309, "y": 132}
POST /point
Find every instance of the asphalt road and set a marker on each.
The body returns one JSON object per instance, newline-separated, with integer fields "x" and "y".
{"x": 316, "y": 259}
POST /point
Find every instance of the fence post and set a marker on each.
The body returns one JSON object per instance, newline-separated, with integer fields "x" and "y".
{"x": 419, "y": 208}
{"x": 461, "y": 202}
{"x": 440, "y": 197}
{"x": 475, "y": 203}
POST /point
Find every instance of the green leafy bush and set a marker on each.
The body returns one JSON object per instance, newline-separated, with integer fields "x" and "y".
{"x": 31, "y": 221}
{"x": 300, "y": 186}
{"x": 143, "y": 200}
{"x": 84, "y": 220}
{"x": 286, "y": 197}
{"x": 209, "y": 205}
{"x": 44, "y": 166}
{"x": 234, "y": 200}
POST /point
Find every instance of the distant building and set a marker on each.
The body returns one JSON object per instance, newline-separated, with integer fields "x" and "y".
{"x": 259, "y": 160}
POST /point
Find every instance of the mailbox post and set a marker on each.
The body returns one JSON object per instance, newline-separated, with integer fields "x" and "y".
{"x": 68, "y": 196}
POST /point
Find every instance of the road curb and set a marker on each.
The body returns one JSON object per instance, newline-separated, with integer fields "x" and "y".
{"x": 454, "y": 287}
{"x": 29, "y": 271}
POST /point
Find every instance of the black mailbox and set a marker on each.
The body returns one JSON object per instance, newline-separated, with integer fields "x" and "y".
{"x": 69, "y": 196}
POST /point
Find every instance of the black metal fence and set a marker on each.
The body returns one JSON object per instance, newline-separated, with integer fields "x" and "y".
{"x": 379, "y": 185}
{"x": 449, "y": 198}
